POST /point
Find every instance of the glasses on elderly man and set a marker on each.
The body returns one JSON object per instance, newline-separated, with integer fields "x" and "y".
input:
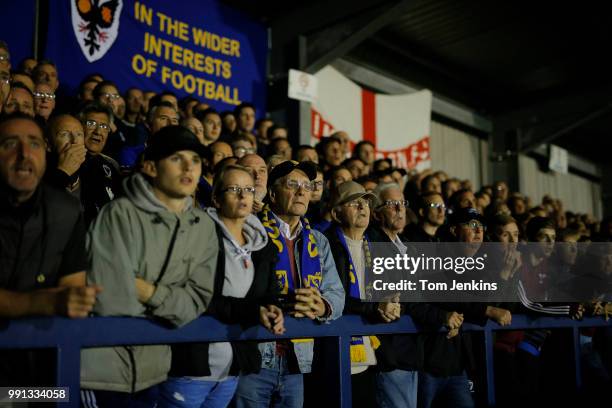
{"x": 44, "y": 95}
{"x": 245, "y": 150}
{"x": 92, "y": 124}
{"x": 5, "y": 58}
{"x": 239, "y": 190}
{"x": 296, "y": 185}
{"x": 358, "y": 204}
{"x": 111, "y": 96}
{"x": 397, "y": 204}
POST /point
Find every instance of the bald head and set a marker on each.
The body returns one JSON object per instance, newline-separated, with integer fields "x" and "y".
{"x": 258, "y": 168}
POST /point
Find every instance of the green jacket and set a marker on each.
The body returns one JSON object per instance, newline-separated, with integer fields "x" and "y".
{"x": 137, "y": 236}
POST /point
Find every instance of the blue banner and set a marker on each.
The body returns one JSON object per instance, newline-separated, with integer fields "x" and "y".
{"x": 17, "y": 29}
{"x": 190, "y": 47}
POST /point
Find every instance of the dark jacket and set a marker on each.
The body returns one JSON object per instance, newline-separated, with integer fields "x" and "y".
{"x": 41, "y": 241}
{"x": 191, "y": 359}
{"x": 405, "y": 351}
{"x": 100, "y": 182}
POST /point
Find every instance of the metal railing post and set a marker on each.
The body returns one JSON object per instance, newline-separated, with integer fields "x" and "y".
{"x": 68, "y": 371}
{"x": 488, "y": 343}
{"x": 577, "y": 356}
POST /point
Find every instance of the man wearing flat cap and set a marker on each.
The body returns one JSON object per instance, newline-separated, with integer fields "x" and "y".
{"x": 155, "y": 255}
{"x": 350, "y": 210}
{"x": 306, "y": 275}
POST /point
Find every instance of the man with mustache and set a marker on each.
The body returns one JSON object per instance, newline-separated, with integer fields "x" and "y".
{"x": 42, "y": 251}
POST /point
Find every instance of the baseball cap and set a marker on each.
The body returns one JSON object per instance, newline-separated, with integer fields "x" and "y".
{"x": 286, "y": 167}
{"x": 464, "y": 215}
{"x": 170, "y": 140}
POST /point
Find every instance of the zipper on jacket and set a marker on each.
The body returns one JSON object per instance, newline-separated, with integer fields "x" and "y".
{"x": 133, "y": 363}
{"x": 169, "y": 253}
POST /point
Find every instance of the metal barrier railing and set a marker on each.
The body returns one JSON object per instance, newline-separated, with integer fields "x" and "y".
{"x": 70, "y": 336}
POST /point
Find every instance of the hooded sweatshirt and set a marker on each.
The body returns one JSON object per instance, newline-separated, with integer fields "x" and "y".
{"x": 239, "y": 273}
{"x": 138, "y": 237}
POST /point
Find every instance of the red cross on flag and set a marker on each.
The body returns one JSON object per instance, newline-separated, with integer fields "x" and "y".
{"x": 398, "y": 125}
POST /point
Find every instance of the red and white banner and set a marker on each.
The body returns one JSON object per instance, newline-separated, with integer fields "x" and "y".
{"x": 398, "y": 125}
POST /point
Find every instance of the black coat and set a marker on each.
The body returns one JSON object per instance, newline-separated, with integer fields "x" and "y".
{"x": 399, "y": 351}
{"x": 192, "y": 359}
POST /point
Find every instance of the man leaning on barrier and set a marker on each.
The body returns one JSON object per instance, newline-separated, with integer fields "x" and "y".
{"x": 42, "y": 251}
{"x": 350, "y": 209}
{"x": 308, "y": 279}
{"x": 156, "y": 256}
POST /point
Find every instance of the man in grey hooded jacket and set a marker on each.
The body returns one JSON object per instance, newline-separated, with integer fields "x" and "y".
{"x": 155, "y": 255}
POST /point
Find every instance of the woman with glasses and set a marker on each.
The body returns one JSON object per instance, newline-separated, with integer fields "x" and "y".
{"x": 205, "y": 374}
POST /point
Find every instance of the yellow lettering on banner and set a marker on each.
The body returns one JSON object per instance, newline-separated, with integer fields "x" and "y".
{"x": 177, "y": 55}
{"x": 142, "y": 65}
{"x": 173, "y": 27}
{"x": 210, "y": 90}
{"x": 185, "y": 57}
{"x": 143, "y": 13}
{"x": 215, "y": 42}
{"x": 227, "y": 70}
{"x": 235, "y": 49}
{"x": 165, "y": 74}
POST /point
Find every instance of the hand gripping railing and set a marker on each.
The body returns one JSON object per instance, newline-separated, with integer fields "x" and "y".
{"x": 70, "y": 336}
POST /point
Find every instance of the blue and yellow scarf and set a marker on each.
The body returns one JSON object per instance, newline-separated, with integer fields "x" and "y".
{"x": 310, "y": 265}
{"x": 358, "y": 353}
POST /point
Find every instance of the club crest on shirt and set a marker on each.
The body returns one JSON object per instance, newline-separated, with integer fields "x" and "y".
{"x": 107, "y": 171}
{"x": 96, "y": 25}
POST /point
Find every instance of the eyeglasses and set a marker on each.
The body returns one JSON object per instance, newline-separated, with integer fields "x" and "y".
{"x": 111, "y": 96}
{"x": 5, "y": 58}
{"x": 44, "y": 95}
{"x": 237, "y": 190}
{"x": 245, "y": 150}
{"x": 475, "y": 225}
{"x": 317, "y": 185}
{"x": 437, "y": 205}
{"x": 92, "y": 125}
{"x": 296, "y": 185}
{"x": 358, "y": 204}
{"x": 397, "y": 204}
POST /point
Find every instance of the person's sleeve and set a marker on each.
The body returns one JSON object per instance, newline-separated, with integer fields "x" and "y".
{"x": 57, "y": 178}
{"x": 181, "y": 304}
{"x": 110, "y": 247}
{"x": 331, "y": 287}
{"x": 74, "y": 258}
{"x": 536, "y": 308}
{"x": 428, "y": 316}
{"x": 232, "y": 310}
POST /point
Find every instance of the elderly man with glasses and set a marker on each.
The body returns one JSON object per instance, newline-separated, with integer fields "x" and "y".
{"x": 309, "y": 284}
{"x": 352, "y": 253}
{"x": 389, "y": 215}
{"x": 44, "y": 100}
{"x": 99, "y": 174}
